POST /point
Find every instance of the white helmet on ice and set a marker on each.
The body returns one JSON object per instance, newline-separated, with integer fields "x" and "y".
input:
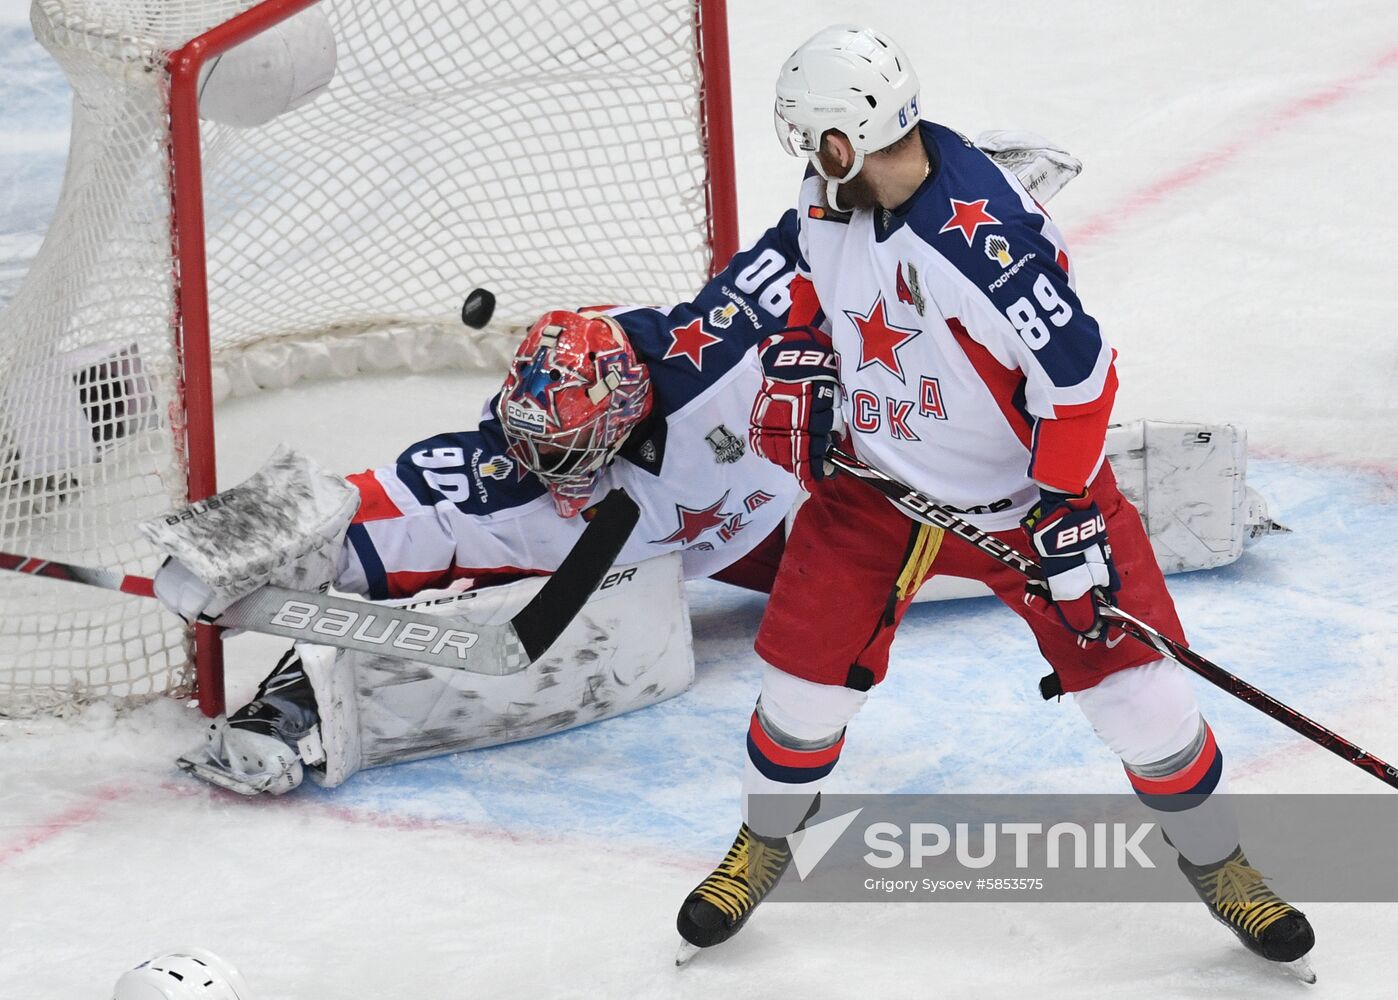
{"x": 844, "y": 77}
{"x": 183, "y": 974}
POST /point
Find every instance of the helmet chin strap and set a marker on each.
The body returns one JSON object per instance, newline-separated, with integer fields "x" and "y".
{"x": 832, "y": 184}
{"x": 832, "y": 193}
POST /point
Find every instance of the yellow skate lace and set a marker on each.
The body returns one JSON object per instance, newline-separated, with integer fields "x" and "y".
{"x": 743, "y": 877}
{"x": 1242, "y": 898}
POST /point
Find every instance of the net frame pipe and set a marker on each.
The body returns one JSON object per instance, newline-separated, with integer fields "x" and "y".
{"x": 194, "y": 420}
{"x": 716, "y": 124}
{"x": 192, "y": 417}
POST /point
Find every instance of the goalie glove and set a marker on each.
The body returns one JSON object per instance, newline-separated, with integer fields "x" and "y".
{"x": 182, "y": 592}
{"x": 793, "y": 415}
{"x": 1040, "y": 166}
{"x": 1069, "y": 534}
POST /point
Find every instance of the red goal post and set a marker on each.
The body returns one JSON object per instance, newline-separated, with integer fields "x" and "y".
{"x": 631, "y": 167}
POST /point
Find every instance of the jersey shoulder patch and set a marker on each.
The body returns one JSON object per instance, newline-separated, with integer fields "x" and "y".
{"x": 471, "y": 469}
{"x": 823, "y": 214}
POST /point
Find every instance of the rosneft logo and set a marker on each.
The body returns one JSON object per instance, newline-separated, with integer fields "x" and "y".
{"x": 997, "y": 248}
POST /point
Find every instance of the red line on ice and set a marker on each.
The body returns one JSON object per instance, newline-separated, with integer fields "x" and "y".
{"x": 349, "y": 815}
{"x": 1106, "y": 222}
{"x": 92, "y": 807}
{"x": 1384, "y": 469}
{"x": 77, "y": 815}
{"x": 419, "y": 824}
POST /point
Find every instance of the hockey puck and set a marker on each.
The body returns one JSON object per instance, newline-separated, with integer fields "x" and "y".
{"x": 478, "y": 308}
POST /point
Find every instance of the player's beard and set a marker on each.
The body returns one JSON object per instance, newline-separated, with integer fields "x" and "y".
{"x": 855, "y": 193}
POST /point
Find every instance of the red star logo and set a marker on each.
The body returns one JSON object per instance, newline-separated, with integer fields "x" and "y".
{"x": 690, "y": 341}
{"x": 878, "y": 340}
{"x": 968, "y": 216}
{"x": 694, "y": 523}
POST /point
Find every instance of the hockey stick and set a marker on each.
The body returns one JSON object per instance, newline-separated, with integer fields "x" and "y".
{"x": 448, "y": 641}
{"x": 929, "y": 510}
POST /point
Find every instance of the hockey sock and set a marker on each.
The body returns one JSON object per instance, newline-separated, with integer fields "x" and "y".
{"x": 1180, "y": 789}
{"x": 1150, "y": 719}
{"x": 794, "y": 739}
{"x": 783, "y": 775}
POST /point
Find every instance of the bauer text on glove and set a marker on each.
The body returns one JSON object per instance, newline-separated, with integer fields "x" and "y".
{"x": 1069, "y": 534}
{"x": 794, "y": 412}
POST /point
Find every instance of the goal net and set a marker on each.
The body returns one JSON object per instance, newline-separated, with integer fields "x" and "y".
{"x": 556, "y": 152}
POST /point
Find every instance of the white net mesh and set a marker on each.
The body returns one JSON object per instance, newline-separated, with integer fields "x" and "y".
{"x": 550, "y": 151}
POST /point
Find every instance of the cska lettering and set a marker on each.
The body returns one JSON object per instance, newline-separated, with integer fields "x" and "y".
{"x": 930, "y": 404}
{"x": 869, "y": 415}
{"x": 866, "y": 411}
{"x": 730, "y": 528}
{"x": 898, "y": 411}
{"x": 759, "y": 498}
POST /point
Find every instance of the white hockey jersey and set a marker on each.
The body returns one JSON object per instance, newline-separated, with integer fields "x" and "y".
{"x": 458, "y": 506}
{"x": 970, "y": 369}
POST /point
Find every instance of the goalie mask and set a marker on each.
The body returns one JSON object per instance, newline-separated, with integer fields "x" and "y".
{"x": 574, "y": 391}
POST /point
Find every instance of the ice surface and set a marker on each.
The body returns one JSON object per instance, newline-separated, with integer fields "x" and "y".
{"x": 1228, "y": 231}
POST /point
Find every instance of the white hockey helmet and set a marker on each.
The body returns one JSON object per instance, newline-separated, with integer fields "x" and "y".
{"x": 844, "y": 77}
{"x": 183, "y": 974}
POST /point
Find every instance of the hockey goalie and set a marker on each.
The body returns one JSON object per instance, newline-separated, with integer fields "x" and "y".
{"x": 656, "y": 401}
{"x": 653, "y": 401}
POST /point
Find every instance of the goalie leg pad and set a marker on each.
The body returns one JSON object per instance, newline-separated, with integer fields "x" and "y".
{"x": 628, "y": 648}
{"x": 1189, "y": 484}
{"x": 1189, "y": 481}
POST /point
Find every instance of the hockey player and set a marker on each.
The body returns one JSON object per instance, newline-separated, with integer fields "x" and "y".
{"x": 655, "y": 401}
{"x": 935, "y": 310}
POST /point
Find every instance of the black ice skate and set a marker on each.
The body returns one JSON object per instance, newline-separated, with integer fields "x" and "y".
{"x": 1268, "y": 925}
{"x": 720, "y": 905}
{"x": 262, "y": 746}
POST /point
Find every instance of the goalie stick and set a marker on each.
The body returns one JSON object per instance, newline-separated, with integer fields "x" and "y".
{"x": 927, "y": 509}
{"x": 450, "y": 641}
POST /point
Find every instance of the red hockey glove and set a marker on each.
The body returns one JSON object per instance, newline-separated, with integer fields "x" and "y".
{"x": 794, "y": 412}
{"x": 1069, "y": 534}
